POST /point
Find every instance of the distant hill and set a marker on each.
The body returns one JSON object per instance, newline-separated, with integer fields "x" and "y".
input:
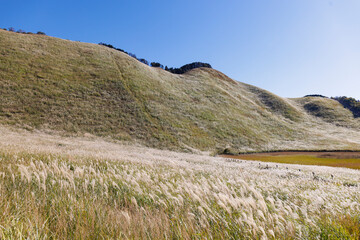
{"x": 350, "y": 103}
{"x": 48, "y": 83}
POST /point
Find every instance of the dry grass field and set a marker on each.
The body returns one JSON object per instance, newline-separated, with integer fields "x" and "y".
{"x": 54, "y": 187}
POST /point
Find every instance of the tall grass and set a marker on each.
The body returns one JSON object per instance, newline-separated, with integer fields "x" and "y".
{"x": 140, "y": 193}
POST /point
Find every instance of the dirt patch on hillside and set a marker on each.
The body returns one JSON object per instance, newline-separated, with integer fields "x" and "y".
{"x": 336, "y": 155}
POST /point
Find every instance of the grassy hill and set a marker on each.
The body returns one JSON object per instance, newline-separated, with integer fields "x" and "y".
{"x": 329, "y": 110}
{"x": 76, "y": 88}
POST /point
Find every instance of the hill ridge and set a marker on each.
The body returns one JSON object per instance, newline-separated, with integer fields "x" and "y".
{"x": 78, "y": 88}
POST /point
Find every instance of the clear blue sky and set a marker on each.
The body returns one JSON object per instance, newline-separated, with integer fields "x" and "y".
{"x": 289, "y": 47}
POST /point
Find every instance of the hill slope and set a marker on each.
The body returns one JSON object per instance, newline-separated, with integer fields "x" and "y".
{"x": 76, "y": 88}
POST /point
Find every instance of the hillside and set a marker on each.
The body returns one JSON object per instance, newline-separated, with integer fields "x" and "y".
{"x": 329, "y": 110}
{"x": 76, "y": 88}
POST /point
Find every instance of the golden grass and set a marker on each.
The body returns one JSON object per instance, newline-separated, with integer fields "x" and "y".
{"x": 304, "y": 160}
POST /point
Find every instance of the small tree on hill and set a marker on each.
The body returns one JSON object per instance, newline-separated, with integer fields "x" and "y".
{"x": 132, "y": 55}
{"x": 144, "y": 61}
{"x": 156, "y": 64}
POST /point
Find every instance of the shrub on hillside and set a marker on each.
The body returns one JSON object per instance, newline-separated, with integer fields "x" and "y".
{"x": 350, "y": 103}
{"x": 111, "y": 46}
{"x": 11, "y": 29}
{"x": 156, "y": 64}
{"x": 188, "y": 67}
{"x": 180, "y": 70}
{"x": 144, "y": 61}
{"x": 132, "y": 55}
{"x": 316, "y": 95}
{"x": 121, "y": 50}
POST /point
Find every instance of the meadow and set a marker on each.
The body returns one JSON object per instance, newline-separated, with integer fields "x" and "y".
{"x": 90, "y": 188}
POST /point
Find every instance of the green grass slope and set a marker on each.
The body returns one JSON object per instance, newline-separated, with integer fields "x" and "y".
{"x": 329, "y": 110}
{"x": 77, "y": 88}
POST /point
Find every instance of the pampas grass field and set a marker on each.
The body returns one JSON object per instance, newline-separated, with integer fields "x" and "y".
{"x": 54, "y": 187}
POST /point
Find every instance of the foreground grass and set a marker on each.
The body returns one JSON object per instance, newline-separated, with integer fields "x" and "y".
{"x": 305, "y": 160}
{"x": 169, "y": 195}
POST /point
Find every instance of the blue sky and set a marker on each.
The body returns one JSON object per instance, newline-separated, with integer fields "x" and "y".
{"x": 289, "y": 47}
